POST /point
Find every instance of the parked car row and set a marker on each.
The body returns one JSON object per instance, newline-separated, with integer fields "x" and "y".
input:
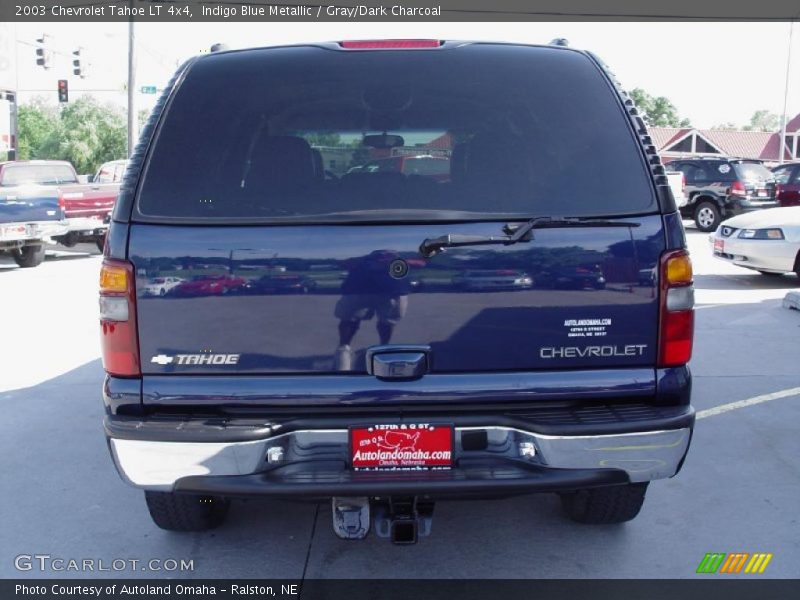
{"x": 42, "y": 201}
{"x": 568, "y": 277}
{"x": 720, "y": 188}
{"x": 753, "y": 212}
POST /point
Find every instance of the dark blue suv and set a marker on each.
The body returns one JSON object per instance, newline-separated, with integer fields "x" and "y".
{"x": 317, "y": 339}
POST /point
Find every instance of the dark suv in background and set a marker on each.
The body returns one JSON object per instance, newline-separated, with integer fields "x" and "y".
{"x": 719, "y": 188}
{"x": 533, "y": 359}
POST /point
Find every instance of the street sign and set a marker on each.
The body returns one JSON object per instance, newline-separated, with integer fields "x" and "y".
{"x": 148, "y": 89}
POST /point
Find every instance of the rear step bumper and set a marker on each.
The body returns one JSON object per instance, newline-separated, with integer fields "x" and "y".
{"x": 479, "y": 478}
{"x": 314, "y": 462}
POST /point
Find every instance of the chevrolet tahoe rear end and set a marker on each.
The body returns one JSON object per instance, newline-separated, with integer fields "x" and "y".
{"x": 384, "y": 382}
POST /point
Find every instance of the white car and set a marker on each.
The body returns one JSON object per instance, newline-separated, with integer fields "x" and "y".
{"x": 161, "y": 286}
{"x": 767, "y": 241}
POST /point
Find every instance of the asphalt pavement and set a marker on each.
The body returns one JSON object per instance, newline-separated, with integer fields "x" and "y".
{"x": 739, "y": 490}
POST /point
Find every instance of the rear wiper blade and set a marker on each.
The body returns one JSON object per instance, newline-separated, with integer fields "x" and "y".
{"x": 522, "y": 233}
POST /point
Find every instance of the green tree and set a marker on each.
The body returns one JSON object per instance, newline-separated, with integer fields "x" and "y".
{"x": 35, "y": 121}
{"x": 324, "y": 139}
{"x": 658, "y": 111}
{"x": 764, "y": 120}
{"x": 726, "y": 126}
{"x": 85, "y": 133}
{"x": 144, "y": 114}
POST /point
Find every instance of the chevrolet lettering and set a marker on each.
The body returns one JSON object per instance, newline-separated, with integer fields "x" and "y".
{"x": 576, "y": 352}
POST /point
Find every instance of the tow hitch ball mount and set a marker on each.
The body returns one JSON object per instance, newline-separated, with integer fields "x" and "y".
{"x": 402, "y": 519}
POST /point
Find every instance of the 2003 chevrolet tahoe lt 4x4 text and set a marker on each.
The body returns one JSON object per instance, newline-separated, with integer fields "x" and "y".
{"x": 317, "y": 339}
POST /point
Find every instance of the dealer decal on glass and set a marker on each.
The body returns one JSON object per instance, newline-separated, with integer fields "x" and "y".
{"x": 407, "y": 446}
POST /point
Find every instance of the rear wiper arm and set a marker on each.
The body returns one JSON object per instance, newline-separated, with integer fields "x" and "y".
{"x": 523, "y": 233}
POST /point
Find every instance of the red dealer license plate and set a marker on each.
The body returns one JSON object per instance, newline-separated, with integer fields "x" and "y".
{"x": 406, "y": 446}
{"x": 719, "y": 246}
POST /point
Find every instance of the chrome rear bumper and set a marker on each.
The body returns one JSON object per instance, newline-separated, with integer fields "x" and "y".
{"x": 160, "y": 465}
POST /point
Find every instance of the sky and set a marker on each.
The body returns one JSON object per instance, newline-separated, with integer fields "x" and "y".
{"x": 713, "y": 72}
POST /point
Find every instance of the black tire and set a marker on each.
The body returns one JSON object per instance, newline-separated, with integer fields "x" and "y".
{"x": 707, "y": 216}
{"x": 769, "y": 274}
{"x": 101, "y": 243}
{"x": 186, "y": 512}
{"x": 605, "y": 505}
{"x": 29, "y": 256}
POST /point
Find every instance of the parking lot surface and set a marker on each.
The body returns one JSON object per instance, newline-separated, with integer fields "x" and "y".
{"x": 738, "y": 491}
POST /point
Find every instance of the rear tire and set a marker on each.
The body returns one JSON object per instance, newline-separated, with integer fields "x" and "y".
{"x": 29, "y": 256}
{"x": 101, "y": 243}
{"x": 605, "y": 505}
{"x": 706, "y": 216}
{"x": 770, "y": 274}
{"x": 186, "y": 512}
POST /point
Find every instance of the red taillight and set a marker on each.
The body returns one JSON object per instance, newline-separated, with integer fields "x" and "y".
{"x": 676, "y": 313}
{"x": 118, "y": 332}
{"x": 738, "y": 189}
{"x": 389, "y": 44}
{"x": 683, "y": 183}
{"x": 62, "y": 204}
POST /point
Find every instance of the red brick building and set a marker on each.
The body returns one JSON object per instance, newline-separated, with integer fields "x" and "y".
{"x": 675, "y": 142}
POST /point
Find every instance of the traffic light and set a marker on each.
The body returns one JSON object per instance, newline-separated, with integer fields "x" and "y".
{"x": 43, "y": 53}
{"x": 77, "y": 68}
{"x": 63, "y": 90}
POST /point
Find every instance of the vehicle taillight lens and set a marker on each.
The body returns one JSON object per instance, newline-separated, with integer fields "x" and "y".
{"x": 683, "y": 183}
{"x": 676, "y": 323}
{"x": 62, "y": 204}
{"x": 389, "y": 44}
{"x": 738, "y": 189}
{"x": 118, "y": 337}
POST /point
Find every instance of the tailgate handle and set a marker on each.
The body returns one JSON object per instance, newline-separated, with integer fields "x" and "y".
{"x": 398, "y": 361}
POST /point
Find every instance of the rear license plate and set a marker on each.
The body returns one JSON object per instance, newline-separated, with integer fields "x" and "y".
{"x": 14, "y": 232}
{"x": 719, "y": 246}
{"x": 406, "y": 446}
{"x": 762, "y": 193}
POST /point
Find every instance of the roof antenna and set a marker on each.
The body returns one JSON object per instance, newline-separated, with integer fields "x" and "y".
{"x": 563, "y": 42}
{"x": 218, "y": 47}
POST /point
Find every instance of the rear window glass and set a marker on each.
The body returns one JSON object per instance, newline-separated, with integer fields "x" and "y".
{"x": 315, "y": 134}
{"x": 37, "y": 174}
{"x": 754, "y": 172}
{"x": 110, "y": 173}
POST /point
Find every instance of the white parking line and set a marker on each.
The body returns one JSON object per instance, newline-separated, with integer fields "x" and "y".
{"x": 723, "y": 408}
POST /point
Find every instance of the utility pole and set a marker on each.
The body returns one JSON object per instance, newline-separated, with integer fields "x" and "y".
{"x": 13, "y": 133}
{"x": 132, "y": 121}
{"x": 782, "y": 150}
